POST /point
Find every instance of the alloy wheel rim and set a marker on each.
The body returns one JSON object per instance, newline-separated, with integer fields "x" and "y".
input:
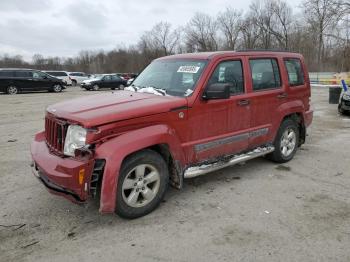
{"x": 141, "y": 185}
{"x": 288, "y": 142}
{"x": 57, "y": 88}
{"x": 12, "y": 90}
{"x": 95, "y": 87}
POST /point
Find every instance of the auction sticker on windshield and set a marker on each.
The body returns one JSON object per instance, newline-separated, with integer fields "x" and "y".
{"x": 188, "y": 69}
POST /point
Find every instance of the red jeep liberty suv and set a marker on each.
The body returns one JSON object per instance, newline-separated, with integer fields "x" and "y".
{"x": 184, "y": 115}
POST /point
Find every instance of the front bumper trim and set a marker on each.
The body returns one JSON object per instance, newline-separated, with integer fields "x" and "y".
{"x": 52, "y": 186}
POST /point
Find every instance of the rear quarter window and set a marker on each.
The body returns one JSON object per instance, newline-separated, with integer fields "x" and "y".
{"x": 24, "y": 74}
{"x": 57, "y": 73}
{"x": 295, "y": 71}
{"x": 4, "y": 74}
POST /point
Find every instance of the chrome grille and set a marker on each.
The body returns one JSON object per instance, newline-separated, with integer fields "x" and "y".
{"x": 55, "y": 134}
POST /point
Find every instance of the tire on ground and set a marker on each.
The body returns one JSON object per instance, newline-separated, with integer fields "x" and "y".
{"x": 144, "y": 157}
{"x": 278, "y": 155}
{"x": 12, "y": 90}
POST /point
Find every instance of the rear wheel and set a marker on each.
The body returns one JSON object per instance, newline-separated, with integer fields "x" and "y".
{"x": 74, "y": 83}
{"x": 121, "y": 87}
{"x": 286, "y": 142}
{"x": 142, "y": 183}
{"x": 12, "y": 90}
{"x": 95, "y": 87}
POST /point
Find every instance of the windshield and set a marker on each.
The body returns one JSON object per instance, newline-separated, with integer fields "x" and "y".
{"x": 170, "y": 77}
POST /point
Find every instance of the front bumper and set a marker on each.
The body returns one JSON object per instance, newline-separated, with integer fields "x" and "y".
{"x": 61, "y": 175}
{"x": 345, "y": 105}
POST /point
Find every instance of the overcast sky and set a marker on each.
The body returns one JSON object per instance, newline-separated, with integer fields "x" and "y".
{"x": 64, "y": 27}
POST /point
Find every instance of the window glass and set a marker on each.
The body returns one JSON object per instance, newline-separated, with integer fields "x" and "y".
{"x": 265, "y": 74}
{"x": 229, "y": 72}
{"x": 7, "y": 73}
{"x": 24, "y": 74}
{"x": 107, "y": 78}
{"x": 57, "y": 73}
{"x": 177, "y": 77}
{"x": 115, "y": 78}
{"x": 37, "y": 74}
{"x": 295, "y": 72}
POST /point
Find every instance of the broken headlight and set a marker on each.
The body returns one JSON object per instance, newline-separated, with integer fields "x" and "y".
{"x": 75, "y": 138}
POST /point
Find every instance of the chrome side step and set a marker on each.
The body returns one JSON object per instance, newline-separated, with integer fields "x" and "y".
{"x": 204, "y": 169}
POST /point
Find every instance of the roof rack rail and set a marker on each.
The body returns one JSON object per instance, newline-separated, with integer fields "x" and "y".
{"x": 264, "y": 50}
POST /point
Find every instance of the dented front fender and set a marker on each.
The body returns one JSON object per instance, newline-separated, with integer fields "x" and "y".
{"x": 115, "y": 150}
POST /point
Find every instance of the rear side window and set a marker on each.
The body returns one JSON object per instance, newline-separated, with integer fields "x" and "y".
{"x": 77, "y": 74}
{"x": 229, "y": 72}
{"x": 57, "y": 73}
{"x": 265, "y": 74}
{"x": 4, "y": 74}
{"x": 24, "y": 74}
{"x": 295, "y": 71}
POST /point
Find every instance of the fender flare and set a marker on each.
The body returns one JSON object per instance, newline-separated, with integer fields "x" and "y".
{"x": 115, "y": 150}
{"x": 289, "y": 108}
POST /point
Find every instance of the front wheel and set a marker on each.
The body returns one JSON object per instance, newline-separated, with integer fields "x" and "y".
{"x": 142, "y": 183}
{"x": 121, "y": 87}
{"x": 286, "y": 142}
{"x": 57, "y": 88}
{"x": 95, "y": 87}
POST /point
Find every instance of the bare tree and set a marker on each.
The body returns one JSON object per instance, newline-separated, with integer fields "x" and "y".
{"x": 229, "y": 22}
{"x": 161, "y": 38}
{"x": 322, "y": 15}
{"x": 283, "y": 14}
{"x": 250, "y": 33}
{"x": 201, "y": 33}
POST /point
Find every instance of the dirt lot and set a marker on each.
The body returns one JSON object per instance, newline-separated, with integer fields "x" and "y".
{"x": 259, "y": 211}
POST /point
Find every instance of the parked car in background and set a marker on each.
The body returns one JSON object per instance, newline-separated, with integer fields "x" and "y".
{"x": 184, "y": 116}
{"x": 344, "y": 102}
{"x": 64, "y": 75}
{"x": 111, "y": 81}
{"x": 78, "y": 77}
{"x": 15, "y": 80}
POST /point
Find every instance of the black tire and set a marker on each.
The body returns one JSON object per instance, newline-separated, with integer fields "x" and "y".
{"x": 144, "y": 157}
{"x": 56, "y": 88}
{"x": 278, "y": 155}
{"x": 12, "y": 90}
{"x": 74, "y": 83}
{"x": 341, "y": 110}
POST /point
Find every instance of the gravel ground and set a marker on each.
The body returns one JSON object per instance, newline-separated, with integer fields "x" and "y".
{"x": 260, "y": 211}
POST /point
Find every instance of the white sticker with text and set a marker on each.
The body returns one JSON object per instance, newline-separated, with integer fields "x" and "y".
{"x": 188, "y": 69}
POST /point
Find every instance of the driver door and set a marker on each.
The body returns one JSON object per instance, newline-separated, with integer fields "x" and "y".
{"x": 41, "y": 81}
{"x": 221, "y": 126}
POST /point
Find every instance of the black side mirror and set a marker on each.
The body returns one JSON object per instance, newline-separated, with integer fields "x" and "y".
{"x": 217, "y": 91}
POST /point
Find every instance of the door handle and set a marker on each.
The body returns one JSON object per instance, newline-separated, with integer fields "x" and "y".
{"x": 243, "y": 102}
{"x": 283, "y": 95}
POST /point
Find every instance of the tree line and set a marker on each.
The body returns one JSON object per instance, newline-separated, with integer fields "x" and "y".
{"x": 319, "y": 29}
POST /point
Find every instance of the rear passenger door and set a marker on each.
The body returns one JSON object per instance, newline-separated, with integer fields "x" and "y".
{"x": 24, "y": 80}
{"x": 267, "y": 94}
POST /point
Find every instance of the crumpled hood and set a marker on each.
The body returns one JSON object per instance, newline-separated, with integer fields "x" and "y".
{"x": 95, "y": 110}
